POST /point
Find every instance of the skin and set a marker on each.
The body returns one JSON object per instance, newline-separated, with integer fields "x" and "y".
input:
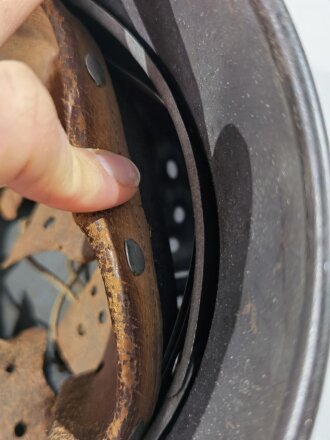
{"x": 36, "y": 159}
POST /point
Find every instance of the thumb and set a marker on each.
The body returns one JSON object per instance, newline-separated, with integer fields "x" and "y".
{"x": 37, "y": 160}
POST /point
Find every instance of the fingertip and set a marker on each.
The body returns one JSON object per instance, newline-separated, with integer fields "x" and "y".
{"x": 108, "y": 180}
{"x": 124, "y": 171}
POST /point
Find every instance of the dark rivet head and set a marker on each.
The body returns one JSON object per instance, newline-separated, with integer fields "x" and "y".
{"x": 138, "y": 431}
{"x": 96, "y": 70}
{"x": 135, "y": 257}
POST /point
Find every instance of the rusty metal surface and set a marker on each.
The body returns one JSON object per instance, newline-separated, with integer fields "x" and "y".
{"x": 25, "y": 398}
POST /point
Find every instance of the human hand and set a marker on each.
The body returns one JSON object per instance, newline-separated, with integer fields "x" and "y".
{"x": 36, "y": 158}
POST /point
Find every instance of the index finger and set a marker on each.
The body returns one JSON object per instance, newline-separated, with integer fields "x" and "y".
{"x": 12, "y": 14}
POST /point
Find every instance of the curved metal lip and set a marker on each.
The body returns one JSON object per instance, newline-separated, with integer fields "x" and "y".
{"x": 308, "y": 372}
{"x": 311, "y": 353}
{"x": 183, "y": 370}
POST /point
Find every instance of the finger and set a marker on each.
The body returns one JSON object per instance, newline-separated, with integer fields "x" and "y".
{"x": 12, "y": 15}
{"x": 37, "y": 160}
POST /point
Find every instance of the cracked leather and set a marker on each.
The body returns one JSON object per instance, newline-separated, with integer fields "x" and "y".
{"x": 112, "y": 401}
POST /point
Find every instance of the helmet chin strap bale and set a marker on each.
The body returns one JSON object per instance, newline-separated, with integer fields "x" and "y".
{"x": 116, "y": 400}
